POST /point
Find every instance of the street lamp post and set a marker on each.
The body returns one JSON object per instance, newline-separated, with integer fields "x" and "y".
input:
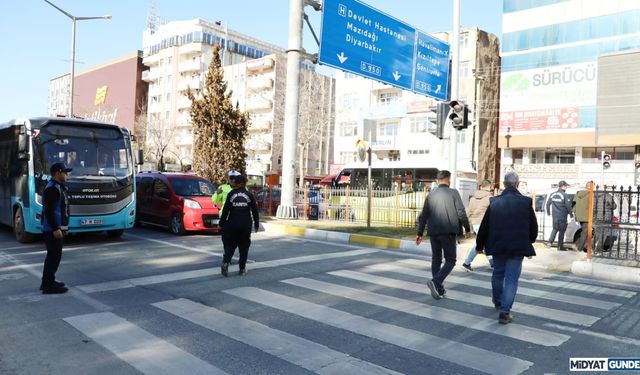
{"x": 73, "y": 47}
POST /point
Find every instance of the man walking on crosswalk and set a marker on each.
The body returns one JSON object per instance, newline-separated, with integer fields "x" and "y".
{"x": 443, "y": 214}
{"x": 508, "y": 230}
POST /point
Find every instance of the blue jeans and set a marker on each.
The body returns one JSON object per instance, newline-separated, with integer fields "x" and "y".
{"x": 472, "y": 252}
{"x": 504, "y": 281}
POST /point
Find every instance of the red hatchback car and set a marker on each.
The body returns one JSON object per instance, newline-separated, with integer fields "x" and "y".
{"x": 180, "y": 202}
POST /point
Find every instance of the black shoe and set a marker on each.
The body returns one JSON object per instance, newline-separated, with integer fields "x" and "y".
{"x": 467, "y": 267}
{"x": 496, "y": 303}
{"x": 224, "y": 269}
{"x": 442, "y": 291}
{"x": 56, "y": 283}
{"x": 433, "y": 289}
{"x": 505, "y": 318}
{"x": 242, "y": 272}
{"x": 562, "y": 249}
{"x": 54, "y": 289}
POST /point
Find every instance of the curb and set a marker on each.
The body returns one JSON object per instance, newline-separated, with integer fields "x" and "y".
{"x": 350, "y": 238}
{"x": 609, "y": 272}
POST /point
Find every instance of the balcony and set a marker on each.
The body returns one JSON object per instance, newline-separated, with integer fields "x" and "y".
{"x": 260, "y": 83}
{"x": 261, "y": 126}
{"x": 155, "y": 90}
{"x": 191, "y": 49}
{"x": 259, "y": 104}
{"x": 258, "y": 65}
{"x": 259, "y": 147}
{"x": 190, "y": 66}
{"x": 151, "y": 59}
{"x": 189, "y": 83}
{"x": 183, "y": 103}
{"x": 150, "y": 75}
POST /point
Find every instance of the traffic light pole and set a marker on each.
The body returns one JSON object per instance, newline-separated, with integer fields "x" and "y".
{"x": 455, "y": 60}
{"x": 287, "y": 208}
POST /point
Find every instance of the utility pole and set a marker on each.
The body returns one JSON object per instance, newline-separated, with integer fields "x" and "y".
{"x": 455, "y": 60}
{"x": 287, "y": 208}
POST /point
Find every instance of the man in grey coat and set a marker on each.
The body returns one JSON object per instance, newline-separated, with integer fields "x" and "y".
{"x": 443, "y": 214}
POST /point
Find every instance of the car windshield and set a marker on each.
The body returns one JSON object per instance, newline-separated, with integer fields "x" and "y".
{"x": 192, "y": 187}
{"x": 90, "y": 151}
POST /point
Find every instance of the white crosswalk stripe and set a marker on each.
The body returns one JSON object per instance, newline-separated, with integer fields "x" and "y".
{"x": 464, "y": 355}
{"x": 514, "y": 330}
{"x": 484, "y": 300}
{"x": 153, "y": 355}
{"x": 147, "y": 353}
{"x": 304, "y": 353}
{"x": 407, "y": 268}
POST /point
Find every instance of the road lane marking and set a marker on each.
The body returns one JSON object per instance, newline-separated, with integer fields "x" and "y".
{"x": 142, "y": 350}
{"x": 212, "y": 271}
{"x": 299, "y": 351}
{"x": 401, "y": 266}
{"x": 483, "y": 300}
{"x": 447, "y": 350}
{"x": 514, "y": 330}
{"x": 172, "y": 244}
{"x": 30, "y": 297}
{"x": 624, "y": 340}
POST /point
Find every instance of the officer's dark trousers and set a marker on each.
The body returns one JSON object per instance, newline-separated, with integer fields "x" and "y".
{"x": 239, "y": 237}
{"x": 52, "y": 261}
{"x": 559, "y": 227}
{"x": 440, "y": 244}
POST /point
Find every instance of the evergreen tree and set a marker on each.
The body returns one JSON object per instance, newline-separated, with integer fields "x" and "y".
{"x": 219, "y": 128}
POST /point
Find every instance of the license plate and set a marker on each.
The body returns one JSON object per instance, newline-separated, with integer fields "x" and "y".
{"x": 211, "y": 222}
{"x": 91, "y": 221}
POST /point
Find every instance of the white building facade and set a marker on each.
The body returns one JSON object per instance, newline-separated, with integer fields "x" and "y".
{"x": 178, "y": 55}
{"x": 555, "y": 92}
{"x": 401, "y": 125}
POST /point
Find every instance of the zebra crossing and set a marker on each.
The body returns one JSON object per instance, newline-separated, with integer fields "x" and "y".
{"x": 396, "y": 288}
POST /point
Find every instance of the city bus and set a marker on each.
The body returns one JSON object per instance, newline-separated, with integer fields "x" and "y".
{"x": 101, "y": 187}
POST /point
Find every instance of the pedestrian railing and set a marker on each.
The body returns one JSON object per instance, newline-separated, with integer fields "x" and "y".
{"x": 615, "y": 226}
{"x": 385, "y": 206}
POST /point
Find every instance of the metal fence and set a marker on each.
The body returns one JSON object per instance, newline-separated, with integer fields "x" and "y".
{"x": 615, "y": 222}
{"x": 388, "y": 206}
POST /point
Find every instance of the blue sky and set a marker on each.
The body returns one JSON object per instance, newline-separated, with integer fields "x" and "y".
{"x": 37, "y": 38}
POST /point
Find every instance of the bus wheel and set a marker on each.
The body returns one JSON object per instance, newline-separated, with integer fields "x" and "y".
{"x": 19, "y": 232}
{"x": 177, "y": 226}
{"x": 116, "y": 233}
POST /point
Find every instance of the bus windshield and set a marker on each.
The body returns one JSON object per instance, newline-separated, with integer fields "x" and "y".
{"x": 90, "y": 151}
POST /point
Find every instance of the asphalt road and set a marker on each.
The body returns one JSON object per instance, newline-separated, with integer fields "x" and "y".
{"x": 154, "y": 303}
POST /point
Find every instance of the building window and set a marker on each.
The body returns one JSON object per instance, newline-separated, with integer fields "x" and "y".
{"x": 464, "y": 40}
{"x": 419, "y": 124}
{"x": 349, "y": 100}
{"x": 558, "y": 156}
{"x": 418, "y": 152}
{"x": 347, "y": 157}
{"x": 593, "y": 154}
{"x": 463, "y": 68}
{"x": 348, "y": 129}
{"x": 388, "y": 97}
{"x": 388, "y": 129}
{"x": 516, "y": 155}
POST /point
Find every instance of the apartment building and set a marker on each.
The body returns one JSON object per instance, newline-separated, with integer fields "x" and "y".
{"x": 258, "y": 87}
{"x": 558, "y": 108}
{"x": 400, "y": 125}
{"x": 178, "y": 54}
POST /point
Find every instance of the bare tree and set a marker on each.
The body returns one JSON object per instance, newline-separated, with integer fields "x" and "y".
{"x": 159, "y": 137}
{"x": 311, "y": 122}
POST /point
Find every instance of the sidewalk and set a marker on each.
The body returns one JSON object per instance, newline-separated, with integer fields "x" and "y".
{"x": 547, "y": 259}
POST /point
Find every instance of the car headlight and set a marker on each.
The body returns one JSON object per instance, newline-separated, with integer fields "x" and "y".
{"x": 191, "y": 204}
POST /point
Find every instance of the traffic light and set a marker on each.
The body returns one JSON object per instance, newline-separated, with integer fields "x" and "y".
{"x": 606, "y": 160}
{"x": 438, "y": 116}
{"x": 458, "y": 114}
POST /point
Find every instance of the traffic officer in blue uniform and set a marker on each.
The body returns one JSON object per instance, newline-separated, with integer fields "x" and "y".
{"x": 55, "y": 221}
{"x": 560, "y": 206}
{"x": 239, "y": 215}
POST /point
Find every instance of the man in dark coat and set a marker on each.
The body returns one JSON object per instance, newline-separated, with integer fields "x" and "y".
{"x": 443, "y": 214}
{"x": 507, "y": 232}
{"x": 559, "y": 206}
